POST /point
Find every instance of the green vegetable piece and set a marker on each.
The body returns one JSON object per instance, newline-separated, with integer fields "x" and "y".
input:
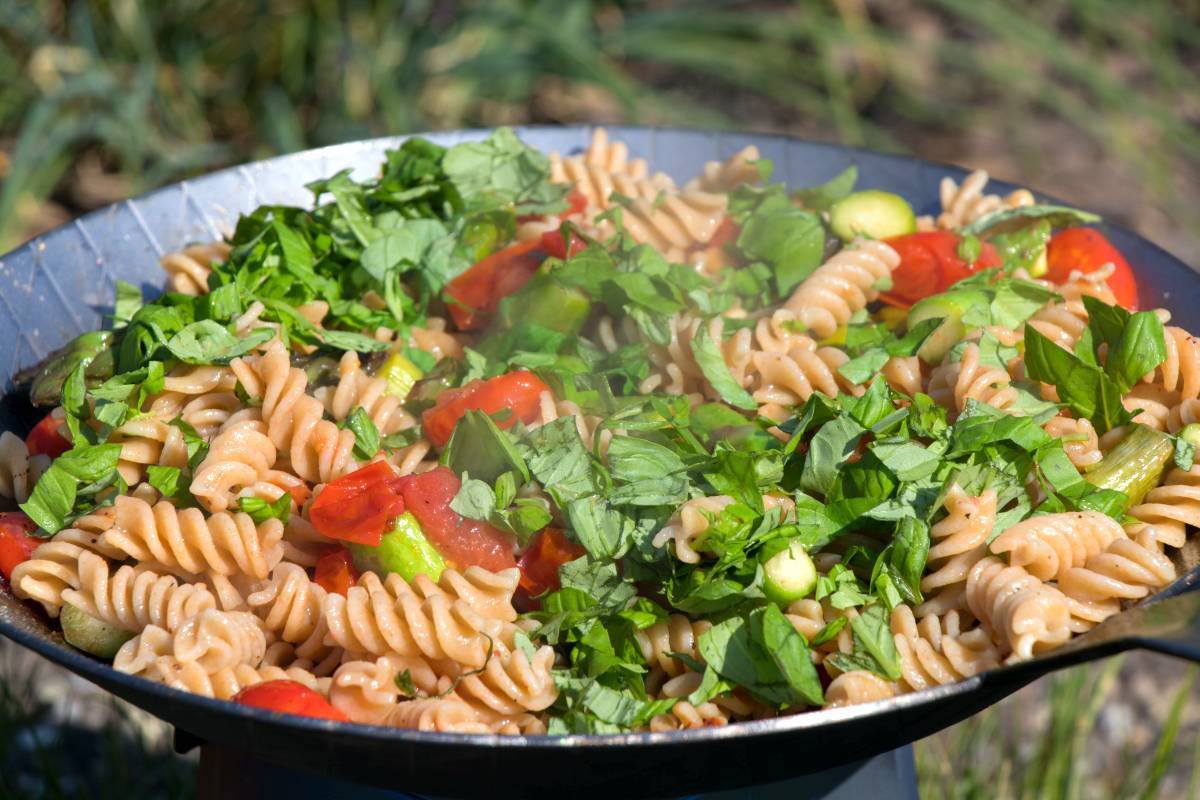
{"x": 424, "y": 393}
{"x": 90, "y": 634}
{"x": 950, "y": 307}
{"x": 86, "y": 348}
{"x": 874, "y": 214}
{"x": 1191, "y": 434}
{"x": 403, "y": 550}
{"x": 789, "y": 574}
{"x": 546, "y": 302}
{"x": 478, "y": 447}
{"x": 401, "y": 375}
{"x": 1135, "y": 465}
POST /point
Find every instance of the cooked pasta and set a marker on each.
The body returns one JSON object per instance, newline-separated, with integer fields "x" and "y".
{"x": 225, "y": 544}
{"x": 188, "y": 270}
{"x": 1025, "y": 615}
{"x": 967, "y": 202}
{"x": 377, "y": 618}
{"x": 1049, "y": 545}
{"x": 563, "y": 445}
{"x": 134, "y": 597}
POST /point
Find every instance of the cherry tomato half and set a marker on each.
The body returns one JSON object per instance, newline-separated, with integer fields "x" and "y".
{"x": 288, "y": 697}
{"x": 461, "y": 541}
{"x": 517, "y": 391}
{"x": 358, "y": 506}
{"x": 1086, "y": 250}
{"x": 335, "y": 571}
{"x": 472, "y": 297}
{"x": 45, "y": 439}
{"x": 547, "y": 551}
{"x": 930, "y": 264}
{"x": 16, "y": 545}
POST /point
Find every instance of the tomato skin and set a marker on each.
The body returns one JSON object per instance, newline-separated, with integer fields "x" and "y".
{"x": 576, "y": 202}
{"x": 555, "y": 247}
{"x": 518, "y": 391}
{"x": 472, "y": 297}
{"x": 16, "y": 545}
{"x": 356, "y": 507}
{"x": 930, "y": 264}
{"x": 335, "y": 571}
{"x": 288, "y": 697}
{"x": 1086, "y": 250}
{"x": 547, "y": 551}
{"x": 727, "y": 233}
{"x": 45, "y": 439}
{"x": 462, "y": 542}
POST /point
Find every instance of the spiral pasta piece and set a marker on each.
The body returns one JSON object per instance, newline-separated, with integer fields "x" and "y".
{"x": 453, "y": 714}
{"x": 19, "y": 471}
{"x": 1079, "y": 439}
{"x": 378, "y": 619}
{"x": 317, "y": 450}
{"x": 188, "y": 270}
{"x": 725, "y": 176}
{"x": 134, "y": 597}
{"x": 226, "y": 544}
{"x": 959, "y": 541}
{"x": 1024, "y": 615}
{"x": 511, "y": 682}
{"x": 1126, "y": 570}
{"x": 356, "y": 389}
{"x": 1050, "y": 544}
{"x": 367, "y": 691}
{"x": 291, "y": 607}
{"x": 841, "y": 286}
{"x": 857, "y": 687}
{"x": 53, "y": 566}
{"x": 953, "y": 383}
{"x": 489, "y": 594}
{"x": 967, "y": 202}
{"x": 1170, "y": 508}
{"x": 1180, "y": 372}
{"x": 903, "y": 375}
{"x": 216, "y": 640}
{"x": 147, "y": 441}
{"x": 673, "y": 222}
{"x": 677, "y": 635}
{"x": 238, "y": 459}
{"x": 224, "y": 684}
{"x": 935, "y": 651}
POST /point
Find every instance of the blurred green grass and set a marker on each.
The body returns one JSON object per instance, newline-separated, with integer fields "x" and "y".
{"x": 110, "y": 97}
{"x": 1096, "y": 101}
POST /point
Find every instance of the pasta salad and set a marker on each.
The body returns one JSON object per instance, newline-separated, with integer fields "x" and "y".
{"x": 505, "y": 442}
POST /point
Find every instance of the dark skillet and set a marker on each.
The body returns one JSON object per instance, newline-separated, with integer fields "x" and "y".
{"x": 58, "y": 285}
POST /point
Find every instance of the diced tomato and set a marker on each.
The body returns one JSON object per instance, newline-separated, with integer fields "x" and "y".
{"x": 472, "y": 297}
{"x": 358, "y": 506}
{"x": 335, "y": 571}
{"x": 577, "y": 202}
{"x": 300, "y": 494}
{"x": 548, "y": 550}
{"x": 45, "y": 439}
{"x": 462, "y": 542}
{"x": 517, "y": 391}
{"x": 1086, "y": 250}
{"x": 288, "y": 697}
{"x": 727, "y": 233}
{"x": 555, "y": 247}
{"x": 930, "y": 263}
{"x": 16, "y": 545}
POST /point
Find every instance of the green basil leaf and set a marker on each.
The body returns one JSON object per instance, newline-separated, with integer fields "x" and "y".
{"x": 712, "y": 363}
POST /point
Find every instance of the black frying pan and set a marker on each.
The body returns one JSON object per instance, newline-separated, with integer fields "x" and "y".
{"x": 57, "y": 285}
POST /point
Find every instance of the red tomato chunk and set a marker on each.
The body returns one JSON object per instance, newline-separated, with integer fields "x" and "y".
{"x": 463, "y": 542}
{"x": 517, "y": 391}
{"x": 288, "y": 697}
{"x": 358, "y": 506}
{"x": 16, "y": 545}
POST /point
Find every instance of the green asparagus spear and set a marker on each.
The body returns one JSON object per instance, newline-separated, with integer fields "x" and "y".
{"x": 1135, "y": 465}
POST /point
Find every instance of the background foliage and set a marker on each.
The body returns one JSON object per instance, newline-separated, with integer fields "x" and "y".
{"x": 1095, "y": 101}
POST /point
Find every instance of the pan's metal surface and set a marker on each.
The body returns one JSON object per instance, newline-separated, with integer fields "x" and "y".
{"x": 60, "y": 284}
